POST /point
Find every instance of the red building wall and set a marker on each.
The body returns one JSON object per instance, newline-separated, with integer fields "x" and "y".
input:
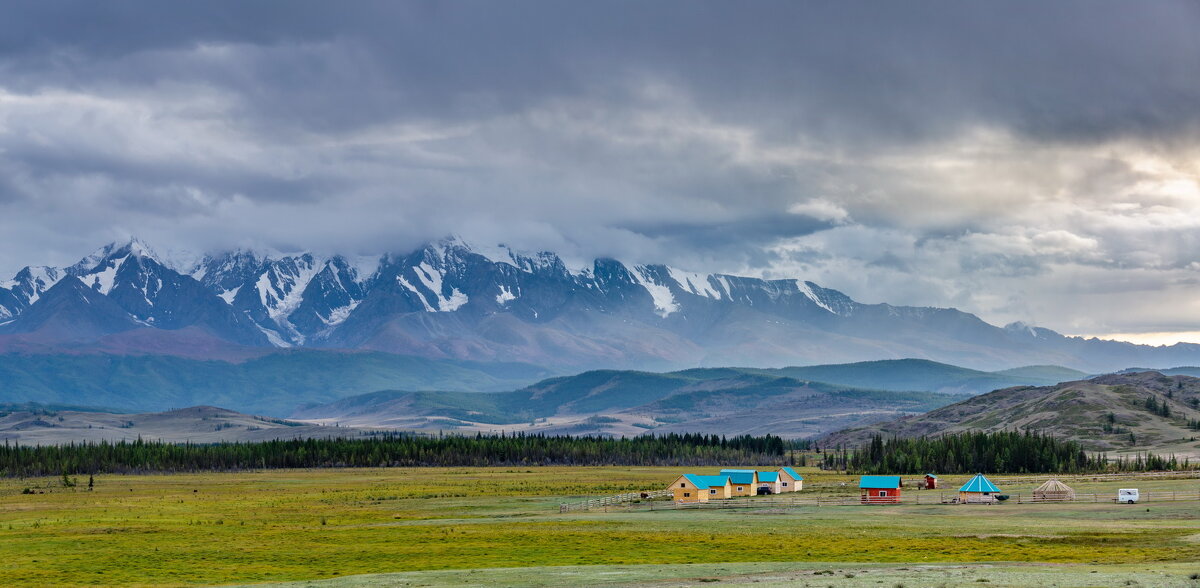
{"x": 880, "y": 495}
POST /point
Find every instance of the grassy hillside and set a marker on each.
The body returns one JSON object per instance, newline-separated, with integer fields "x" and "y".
{"x": 930, "y": 376}
{"x": 1049, "y": 374}
{"x": 1117, "y": 412}
{"x": 721, "y": 401}
{"x": 1175, "y": 371}
{"x": 52, "y": 425}
{"x": 275, "y": 384}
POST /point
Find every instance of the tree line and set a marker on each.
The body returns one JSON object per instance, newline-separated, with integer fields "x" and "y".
{"x": 1001, "y": 452}
{"x": 391, "y": 450}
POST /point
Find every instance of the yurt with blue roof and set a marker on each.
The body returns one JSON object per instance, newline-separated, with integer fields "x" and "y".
{"x": 978, "y": 490}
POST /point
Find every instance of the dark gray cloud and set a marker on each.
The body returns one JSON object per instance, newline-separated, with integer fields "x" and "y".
{"x": 948, "y": 153}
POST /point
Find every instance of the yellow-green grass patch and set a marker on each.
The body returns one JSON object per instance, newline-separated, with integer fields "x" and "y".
{"x": 311, "y": 524}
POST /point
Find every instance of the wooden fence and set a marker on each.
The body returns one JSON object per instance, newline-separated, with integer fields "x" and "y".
{"x": 645, "y": 499}
{"x": 616, "y": 499}
{"x": 779, "y": 501}
{"x": 1039, "y": 478}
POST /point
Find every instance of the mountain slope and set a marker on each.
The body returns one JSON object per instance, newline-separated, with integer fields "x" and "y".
{"x": 719, "y": 401}
{"x": 69, "y": 311}
{"x": 1077, "y": 410}
{"x": 275, "y": 384}
{"x": 918, "y": 374}
{"x": 49, "y": 425}
{"x": 451, "y": 300}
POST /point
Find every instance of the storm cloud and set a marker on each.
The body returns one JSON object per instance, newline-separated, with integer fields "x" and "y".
{"x": 1022, "y": 161}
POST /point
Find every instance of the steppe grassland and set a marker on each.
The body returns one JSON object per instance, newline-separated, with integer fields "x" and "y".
{"x": 311, "y": 524}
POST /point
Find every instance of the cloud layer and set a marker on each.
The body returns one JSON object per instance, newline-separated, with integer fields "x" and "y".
{"x": 1024, "y": 162}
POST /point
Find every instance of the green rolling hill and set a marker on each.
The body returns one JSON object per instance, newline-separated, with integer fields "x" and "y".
{"x": 1124, "y": 412}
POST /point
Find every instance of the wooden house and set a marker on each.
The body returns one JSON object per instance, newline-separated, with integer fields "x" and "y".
{"x": 978, "y": 490}
{"x": 930, "y": 482}
{"x": 744, "y": 482}
{"x": 693, "y": 488}
{"x": 879, "y": 489}
{"x": 789, "y": 480}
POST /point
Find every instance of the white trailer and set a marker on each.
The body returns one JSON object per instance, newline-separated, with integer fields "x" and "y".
{"x": 1127, "y": 495}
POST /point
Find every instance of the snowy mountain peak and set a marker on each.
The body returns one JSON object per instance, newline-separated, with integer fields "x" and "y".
{"x": 1027, "y": 330}
{"x": 116, "y": 250}
{"x": 26, "y": 288}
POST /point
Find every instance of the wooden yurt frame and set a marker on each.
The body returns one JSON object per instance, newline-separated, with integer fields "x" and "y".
{"x": 1042, "y": 494}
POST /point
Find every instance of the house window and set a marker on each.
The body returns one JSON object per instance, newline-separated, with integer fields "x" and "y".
{"x": 784, "y": 484}
{"x": 686, "y": 494}
{"x": 739, "y": 488}
{"x": 883, "y": 492}
{"x": 682, "y": 485}
{"x": 712, "y": 491}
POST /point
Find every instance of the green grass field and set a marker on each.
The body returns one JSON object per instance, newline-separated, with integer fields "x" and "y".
{"x": 424, "y": 526}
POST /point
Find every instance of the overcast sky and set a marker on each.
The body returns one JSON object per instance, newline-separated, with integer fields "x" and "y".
{"x": 1022, "y": 161}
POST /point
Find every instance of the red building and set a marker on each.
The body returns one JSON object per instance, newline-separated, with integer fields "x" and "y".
{"x": 930, "y": 482}
{"x": 879, "y": 489}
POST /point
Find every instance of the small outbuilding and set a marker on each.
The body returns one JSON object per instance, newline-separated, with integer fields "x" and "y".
{"x": 879, "y": 489}
{"x": 930, "y": 482}
{"x": 789, "y": 480}
{"x": 1053, "y": 491}
{"x": 979, "y": 490}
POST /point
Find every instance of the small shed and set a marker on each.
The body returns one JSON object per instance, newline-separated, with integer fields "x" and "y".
{"x": 979, "y": 490}
{"x": 930, "y": 482}
{"x": 1053, "y": 491}
{"x": 879, "y": 489}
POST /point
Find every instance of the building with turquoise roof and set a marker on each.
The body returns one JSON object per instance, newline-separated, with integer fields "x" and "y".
{"x": 978, "y": 490}
{"x": 744, "y": 481}
{"x": 694, "y": 488}
{"x": 879, "y": 489}
{"x": 735, "y": 482}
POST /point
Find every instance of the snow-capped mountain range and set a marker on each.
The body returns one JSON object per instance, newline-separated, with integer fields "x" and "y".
{"x": 449, "y": 299}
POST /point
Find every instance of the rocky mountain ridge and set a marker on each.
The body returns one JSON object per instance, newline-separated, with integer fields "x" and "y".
{"x": 451, "y": 300}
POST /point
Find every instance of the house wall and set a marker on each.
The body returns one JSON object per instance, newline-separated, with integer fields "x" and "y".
{"x": 792, "y": 484}
{"x": 683, "y": 486}
{"x": 976, "y": 497}
{"x": 742, "y": 490}
{"x": 876, "y": 495}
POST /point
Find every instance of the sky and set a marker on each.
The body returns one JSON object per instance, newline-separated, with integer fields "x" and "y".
{"x": 1024, "y": 161}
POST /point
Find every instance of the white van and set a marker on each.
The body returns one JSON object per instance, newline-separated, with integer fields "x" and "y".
{"x": 1127, "y": 495}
